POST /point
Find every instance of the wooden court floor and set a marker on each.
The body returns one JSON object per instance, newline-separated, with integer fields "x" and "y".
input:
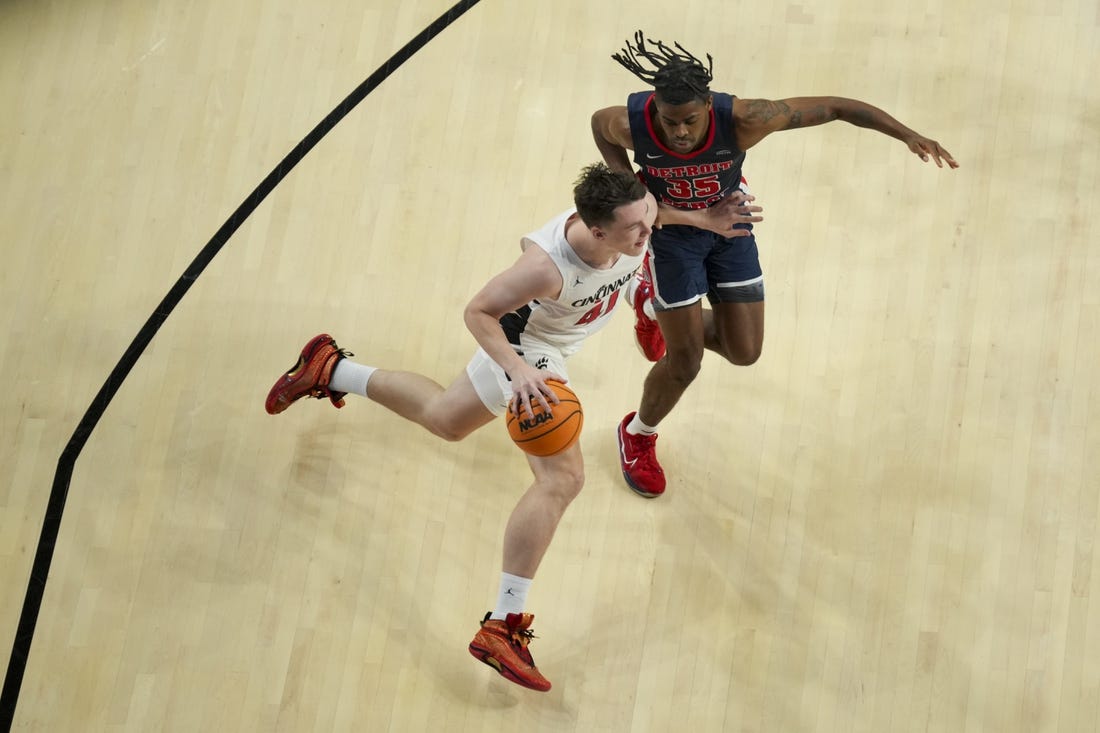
{"x": 888, "y": 523}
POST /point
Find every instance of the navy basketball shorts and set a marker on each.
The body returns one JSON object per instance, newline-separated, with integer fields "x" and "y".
{"x": 690, "y": 263}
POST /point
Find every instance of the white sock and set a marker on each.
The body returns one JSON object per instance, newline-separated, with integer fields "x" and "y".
{"x": 512, "y": 597}
{"x": 637, "y": 427}
{"x": 351, "y": 377}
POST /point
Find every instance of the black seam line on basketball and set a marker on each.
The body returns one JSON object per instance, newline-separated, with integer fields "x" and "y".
{"x": 55, "y": 506}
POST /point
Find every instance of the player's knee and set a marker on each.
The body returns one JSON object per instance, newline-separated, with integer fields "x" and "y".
{"x": 742, "y": 352}
{"x": 746, "y": 356}
{"x": 446, "y": 427}
{"x": 570, "y": 483}
{"x": 449, "y": 434}
{"x": 683, "y": 365}
{"x": 565, "y": 483}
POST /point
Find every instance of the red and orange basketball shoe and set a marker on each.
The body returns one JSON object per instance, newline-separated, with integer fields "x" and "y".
{"x": 638, "y": 457}
{"x": 309, "y": 377}
{"x": 647, "y": 333}
{"x": 503, "y": 646}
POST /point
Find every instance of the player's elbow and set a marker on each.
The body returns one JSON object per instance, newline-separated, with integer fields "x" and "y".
{"x": 852, "y": 111}
{"x": 474, "y": 319}
{"x": 599, "y": 129}
{"x": 474, "y": 314}
{"x": 603, "y": 126}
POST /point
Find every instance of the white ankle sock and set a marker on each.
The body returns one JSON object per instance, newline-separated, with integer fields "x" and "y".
{"x": 512, "y": 597}
{"x": 637, "y": 427}
{"x": 351, "y": 377}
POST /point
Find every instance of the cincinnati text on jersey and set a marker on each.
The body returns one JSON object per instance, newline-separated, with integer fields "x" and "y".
{"x": 603, "y": 292}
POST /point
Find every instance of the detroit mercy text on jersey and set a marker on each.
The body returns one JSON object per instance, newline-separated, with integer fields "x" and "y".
{"x": 695, "y": 180}
{"x": 588, "y": 296}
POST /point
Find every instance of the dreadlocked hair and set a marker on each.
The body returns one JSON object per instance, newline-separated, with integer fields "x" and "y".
{"x": 599, "y": 191}
{"x": 677, "y": 75}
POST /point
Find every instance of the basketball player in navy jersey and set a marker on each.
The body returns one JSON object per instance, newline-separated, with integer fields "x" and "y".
{"x": 689, "y": 144}
{"x": 527, "y": 320}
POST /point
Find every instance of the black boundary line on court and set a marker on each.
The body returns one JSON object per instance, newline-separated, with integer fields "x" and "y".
{"x": 55, "y": 507}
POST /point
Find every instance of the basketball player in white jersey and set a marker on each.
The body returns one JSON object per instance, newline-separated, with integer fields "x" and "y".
{"x": 527, "y": 320}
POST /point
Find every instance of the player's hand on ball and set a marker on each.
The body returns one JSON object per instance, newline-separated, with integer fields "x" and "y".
{"x": 528, "y": 386}
{"x": 548, "y": 431}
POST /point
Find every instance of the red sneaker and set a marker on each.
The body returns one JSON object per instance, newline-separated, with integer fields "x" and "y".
{"x": 309, "y": 377}
{"x": 647, "y": 332}
{"x": 638, "y": 457}
{"x": 503, "y": 646}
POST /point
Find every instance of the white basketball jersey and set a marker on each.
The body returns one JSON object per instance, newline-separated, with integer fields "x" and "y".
{"x": 588, "y": 296}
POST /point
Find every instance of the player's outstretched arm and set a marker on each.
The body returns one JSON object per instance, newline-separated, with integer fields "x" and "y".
{"x": 721, "y": 218}
{"x": 755, "y": 119}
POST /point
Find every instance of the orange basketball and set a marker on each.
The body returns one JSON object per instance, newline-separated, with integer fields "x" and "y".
{"x": 548, "y": 433}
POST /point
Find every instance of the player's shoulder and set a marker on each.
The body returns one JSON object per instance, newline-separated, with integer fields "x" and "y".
{"x": 613, "y": 113}
{"x": 614, "y": 123}
{"x": 541, "y": 246}
{"x": 744, "y": 106}
{"x": 537, "y": 266}
{"x": 758, "y": 112}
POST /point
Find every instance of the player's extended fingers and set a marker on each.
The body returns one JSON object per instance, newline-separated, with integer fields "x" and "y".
{"x": 521, "y": 400}
{"x": 536, "y": 395}
{"x": 932, "y": 151}
{"x": 738, "y": 231}
{"x": 946, "y": 156}
{"x": 547, "y": 390}
{"x": 516, "y": 406}
{"x": 741, "y": 209}
{"x": 942, "y": 156}
{"x": 926, "y": 149}
{"x": 540, "y": 398}
{"x": 736, "y": 200}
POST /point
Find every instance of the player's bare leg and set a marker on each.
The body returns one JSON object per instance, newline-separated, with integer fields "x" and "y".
{"x": 670, "y": 377}
{"x": 451, "y": 413}
{"x": 665, "y": 383}
{"x": 735, "y": 331}
{"x": 558, "y": 480}
{"x": 505, "y": 633}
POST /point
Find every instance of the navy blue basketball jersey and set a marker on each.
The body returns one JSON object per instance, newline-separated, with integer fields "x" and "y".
{"x": 695, "y": 180}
